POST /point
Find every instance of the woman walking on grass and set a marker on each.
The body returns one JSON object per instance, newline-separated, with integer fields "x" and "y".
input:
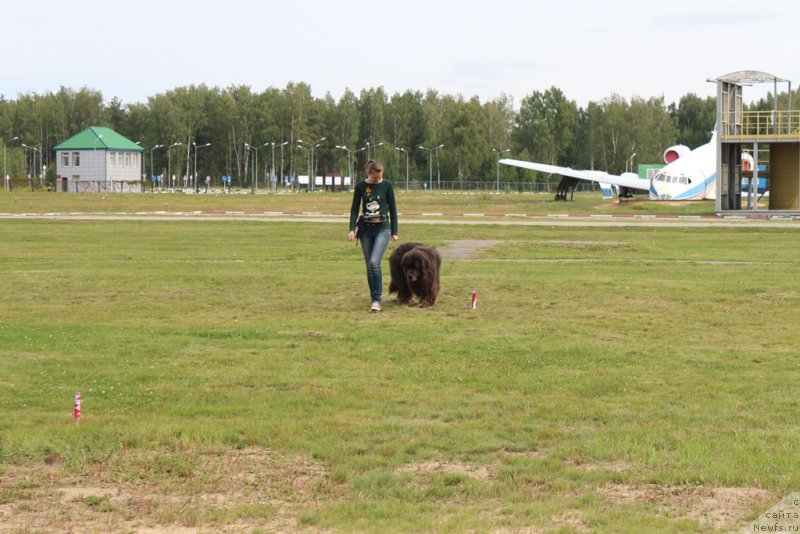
{"x": 374, "y": 197}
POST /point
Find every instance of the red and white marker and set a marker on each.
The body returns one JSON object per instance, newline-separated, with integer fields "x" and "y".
{"x": 76, "y": 413}
{"x": 474, "y": 300}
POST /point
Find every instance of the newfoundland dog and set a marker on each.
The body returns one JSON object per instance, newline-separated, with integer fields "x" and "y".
{"x": 415, "y": 271}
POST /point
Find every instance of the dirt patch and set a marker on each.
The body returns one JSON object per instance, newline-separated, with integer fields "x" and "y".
{"x": 465, "y": 249}
{"x": 710, "y": 506}
{"x": 536, "y": 455}
{"x": 480, "y": 472}
{"x": 614, "y": 467}
{"x": 167, "y": 494}
{"x": 571, "y": 520}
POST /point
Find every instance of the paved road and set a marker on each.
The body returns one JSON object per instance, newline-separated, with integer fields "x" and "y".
{"x": 607, "y": 221}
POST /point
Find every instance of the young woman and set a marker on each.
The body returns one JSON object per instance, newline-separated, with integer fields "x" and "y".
{"x": 375, "y": 199}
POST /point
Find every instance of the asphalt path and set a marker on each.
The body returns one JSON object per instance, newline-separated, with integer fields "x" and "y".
{"x": 474, "y": 219}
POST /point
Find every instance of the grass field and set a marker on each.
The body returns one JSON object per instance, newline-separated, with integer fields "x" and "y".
{"x": 610, "y": 379}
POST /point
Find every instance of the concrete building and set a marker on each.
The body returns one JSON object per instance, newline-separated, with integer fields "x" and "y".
{"x": 97, "y": 160}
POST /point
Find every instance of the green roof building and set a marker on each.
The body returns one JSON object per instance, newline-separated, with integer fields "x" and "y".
{"x": 98, "y": 159}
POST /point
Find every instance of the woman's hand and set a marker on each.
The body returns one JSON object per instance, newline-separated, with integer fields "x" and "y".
{"x": 395, "y": 238}
{"x": 352, "y": 235}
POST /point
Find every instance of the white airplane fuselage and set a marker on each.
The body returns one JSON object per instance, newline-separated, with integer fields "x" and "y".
{"x": 690, "y": 177}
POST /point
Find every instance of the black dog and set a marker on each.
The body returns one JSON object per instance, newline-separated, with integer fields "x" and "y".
{"x": 415, "y": 271}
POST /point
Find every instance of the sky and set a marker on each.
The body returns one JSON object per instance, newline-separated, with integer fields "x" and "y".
{"x": 589, "y": 50}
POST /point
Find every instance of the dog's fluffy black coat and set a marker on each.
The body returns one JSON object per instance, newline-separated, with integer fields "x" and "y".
{"x": 415, "y": 271}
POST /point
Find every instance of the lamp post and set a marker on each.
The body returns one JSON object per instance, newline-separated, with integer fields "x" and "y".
{"x": 499, "y": 153}
{"x": 5, "y": 173}
{"x": 369, "y": 156}
{"x": 312, "y": 146}
{"x": 196, "y": 184}
{"x": 349, "y": 162}
{"x": 255, "y": 167}
{"x": 430, "y": 164}
{"x": 272, "y": 171}
{"x": 401, "y": 149}
{"x": 247, "y": 164}
{"x": 308, "y": 167}
{"x": 438, "y": 174}
{"x": 33, "y": 166}
{"x": 152, "y": 170}
{"x": 169, "y": 162}
{"x": 629, "y": 164}
{"x": 282, "y": 167}
{"x": 362, "y": 149}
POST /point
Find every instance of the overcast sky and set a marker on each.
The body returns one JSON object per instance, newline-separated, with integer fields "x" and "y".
{"x": 589, "y": 50}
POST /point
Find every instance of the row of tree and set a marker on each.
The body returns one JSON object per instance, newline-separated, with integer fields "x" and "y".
{"x": 462, "y": 138}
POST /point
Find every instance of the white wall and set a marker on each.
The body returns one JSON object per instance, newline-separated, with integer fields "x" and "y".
{"x": 97, "y": 165}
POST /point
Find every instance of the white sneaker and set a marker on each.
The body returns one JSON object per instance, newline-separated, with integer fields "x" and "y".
{"x": 376, "y": 307}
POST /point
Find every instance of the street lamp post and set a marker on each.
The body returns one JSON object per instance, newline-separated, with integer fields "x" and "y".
{"x": 499, "y": 153}
{"x": 152, "y": 169}
{"x": 282, "y": 166}
{"x": 5, "y": 173}
{"x": 33, "y": 166}
{"x": 438, "y": 174}
{"x": 369, "y": 155}
{"x": 401, "y": 149}
{"x": 629, "y": 165}
{"x": 196, "y": 184}
{"x": 430, "y": 164}
{"x": 308, "y": 167}
{"x": 312, "y": 146}
{"x": 349, "y": 162}
{"x": 169, "y": 162}
{"x": 272, "y": 171}
{"x": 254, "y": 180}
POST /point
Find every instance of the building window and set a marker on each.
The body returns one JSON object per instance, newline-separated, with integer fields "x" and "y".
{"x": 65, "y": 159}
{"x": 127, "y": 159}
{"x": 119, "y": 159}
{"x": 135, "y": 160}
{"x": 76, "y": 159}
{"x": 111, "y": 159}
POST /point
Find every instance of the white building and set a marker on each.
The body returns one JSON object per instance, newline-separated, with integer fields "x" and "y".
{"x": 98, "y": 159}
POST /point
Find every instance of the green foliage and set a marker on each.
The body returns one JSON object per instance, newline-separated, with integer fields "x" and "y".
{"x": 546, "y": 127}
{"x": 695, "y": 118}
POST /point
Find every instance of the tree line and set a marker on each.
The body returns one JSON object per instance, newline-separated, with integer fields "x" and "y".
{"x": 462, "y": 137}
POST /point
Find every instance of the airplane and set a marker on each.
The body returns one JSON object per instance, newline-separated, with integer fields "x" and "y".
{"x": 687, "y": 175}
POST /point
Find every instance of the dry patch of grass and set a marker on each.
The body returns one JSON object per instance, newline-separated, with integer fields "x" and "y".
{"x": 228, "y": 491}
{"x": 717, "y": 507}
{"x": 612, "y": 466}
{"x": 478, "y": 472}
{"x": 465, "y": 249}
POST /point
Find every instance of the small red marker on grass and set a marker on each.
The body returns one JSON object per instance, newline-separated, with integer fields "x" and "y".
{"x": 76, "y": 413}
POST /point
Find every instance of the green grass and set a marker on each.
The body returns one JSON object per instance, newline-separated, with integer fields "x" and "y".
{"x": 238, "y": 358}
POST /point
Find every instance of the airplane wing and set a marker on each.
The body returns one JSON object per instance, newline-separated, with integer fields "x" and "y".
{"x": 626, "y": 179}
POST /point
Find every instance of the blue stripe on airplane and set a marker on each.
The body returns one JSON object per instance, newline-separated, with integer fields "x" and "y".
{"x": 689, "y": 193}
{"x": 698, "y": 188}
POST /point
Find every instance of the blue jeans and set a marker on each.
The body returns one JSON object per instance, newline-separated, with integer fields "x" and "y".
{"x": 373, "y": 244}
